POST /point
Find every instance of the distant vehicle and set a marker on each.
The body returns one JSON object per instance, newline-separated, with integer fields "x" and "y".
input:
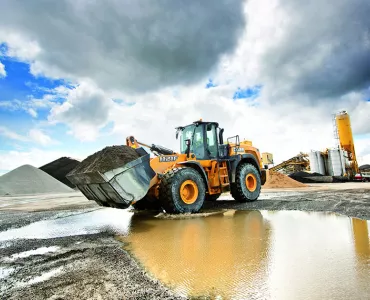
{"x": 364, "y": 176}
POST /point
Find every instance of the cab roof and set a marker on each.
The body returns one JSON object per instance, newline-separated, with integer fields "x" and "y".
{"x": 197, "y": 123}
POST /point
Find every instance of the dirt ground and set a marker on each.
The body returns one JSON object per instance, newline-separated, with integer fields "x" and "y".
{"x": 93, "y": 262}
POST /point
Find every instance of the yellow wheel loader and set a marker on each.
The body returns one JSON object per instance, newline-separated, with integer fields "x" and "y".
{"x": 205, "y": 167}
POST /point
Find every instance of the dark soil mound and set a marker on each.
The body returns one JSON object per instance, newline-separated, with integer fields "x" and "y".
{"x": 60, "y": 168}
{"x": 104, "y": 160}
{"x": 304, "y": 174}
{"x": 314, "y": 174}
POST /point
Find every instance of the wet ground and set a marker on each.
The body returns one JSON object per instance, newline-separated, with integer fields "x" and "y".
{"x": 65, "y": 247}
{"x": 257, "y": 254}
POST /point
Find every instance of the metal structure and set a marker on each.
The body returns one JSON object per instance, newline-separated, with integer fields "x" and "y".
{"x": 321, "y": 163}
{"x": 337, "y": 162}
{"x": 297, "y": 163}
{"x": 314, "y": 163}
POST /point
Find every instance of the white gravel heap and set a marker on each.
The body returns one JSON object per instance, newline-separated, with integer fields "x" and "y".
{"x": 30, "y": 180}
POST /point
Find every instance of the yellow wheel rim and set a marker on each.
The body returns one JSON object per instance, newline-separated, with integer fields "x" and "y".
{"x": 251, "y": 182}
{"x": 189, "y": 191}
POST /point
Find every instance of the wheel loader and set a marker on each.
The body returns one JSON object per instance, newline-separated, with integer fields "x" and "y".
{"x": 204, "y": 168}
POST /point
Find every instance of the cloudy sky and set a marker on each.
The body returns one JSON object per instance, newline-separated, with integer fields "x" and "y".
{"x": 77, "y": 75}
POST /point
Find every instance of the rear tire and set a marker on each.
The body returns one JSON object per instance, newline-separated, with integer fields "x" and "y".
{"x": 247, "y": 185}
{"x": 182, "y": 190}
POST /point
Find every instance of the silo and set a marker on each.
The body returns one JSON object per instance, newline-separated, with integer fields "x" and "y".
{"x": 344, "y": 131}
{"x": 336, "y": 162}
{"x": 314, "y": 164}
{"x": 330, "y": 165}
{"x": 345, "y": 136}
{"x": 321, "y": 163}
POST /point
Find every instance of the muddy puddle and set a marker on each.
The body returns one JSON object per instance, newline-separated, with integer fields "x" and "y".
{"x": 228, "y": 255}
{"x": 256, "y": 255}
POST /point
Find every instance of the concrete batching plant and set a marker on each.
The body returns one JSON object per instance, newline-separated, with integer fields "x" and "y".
{"x": 339, "y": 161}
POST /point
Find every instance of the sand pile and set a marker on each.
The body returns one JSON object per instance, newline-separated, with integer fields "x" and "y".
{"x": 30, "y": 180}
{"x": 279, "y": 180}
{"x": 104, "y": 160}
{"x": 60, "y": 168}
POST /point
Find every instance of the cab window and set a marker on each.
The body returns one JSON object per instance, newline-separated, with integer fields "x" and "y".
{"x": 212, "y": 140}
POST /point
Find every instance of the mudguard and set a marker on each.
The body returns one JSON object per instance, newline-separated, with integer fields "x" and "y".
{"x": 198, "y": 167}
{"x": 243, "y": 157}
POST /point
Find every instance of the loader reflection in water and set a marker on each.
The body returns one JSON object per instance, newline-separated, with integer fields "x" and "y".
{"x": 217, "y": 255}
{"x": 256, "y": 255}
{"x": 361, "y": 241}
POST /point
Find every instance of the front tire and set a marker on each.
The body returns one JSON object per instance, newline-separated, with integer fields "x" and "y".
{"x": 182, "y": 190}
{"x": 147, "y": 203}
{"x": 247, "y": 186}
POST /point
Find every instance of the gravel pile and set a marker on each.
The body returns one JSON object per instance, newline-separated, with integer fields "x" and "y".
{"x": 104, "y": 160}
{"x": 60, "y": 168}
{"x": 30, "y": 180}
{"x": 279, "y": 180}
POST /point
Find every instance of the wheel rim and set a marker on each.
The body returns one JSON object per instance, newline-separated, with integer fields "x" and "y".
{"x": 189, "y": 191}
{"x": 251, "y": 182}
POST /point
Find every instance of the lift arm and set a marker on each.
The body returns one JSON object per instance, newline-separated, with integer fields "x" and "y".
{"x": 156, "y": 149}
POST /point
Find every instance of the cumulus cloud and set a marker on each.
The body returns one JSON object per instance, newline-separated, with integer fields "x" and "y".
{"x": 132, "y": 45}
{"x": 2, "y": 70}
{"x": 85, "y": 110}
{"x": 323, "y": 48}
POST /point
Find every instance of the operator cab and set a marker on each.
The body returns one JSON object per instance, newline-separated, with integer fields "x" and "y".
{"x": 205, "y": 140}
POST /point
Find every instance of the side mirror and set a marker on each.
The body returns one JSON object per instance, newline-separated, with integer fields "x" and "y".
{"x": 187, "y": 142}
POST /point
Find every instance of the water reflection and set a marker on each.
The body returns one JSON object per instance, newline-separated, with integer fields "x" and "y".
{"x": 361, "y": 241}
{"x": 256, "y": 255}
{"x": 194, "y": 255}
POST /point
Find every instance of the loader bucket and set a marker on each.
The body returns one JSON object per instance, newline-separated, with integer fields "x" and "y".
{"x": 117, "y": 187}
